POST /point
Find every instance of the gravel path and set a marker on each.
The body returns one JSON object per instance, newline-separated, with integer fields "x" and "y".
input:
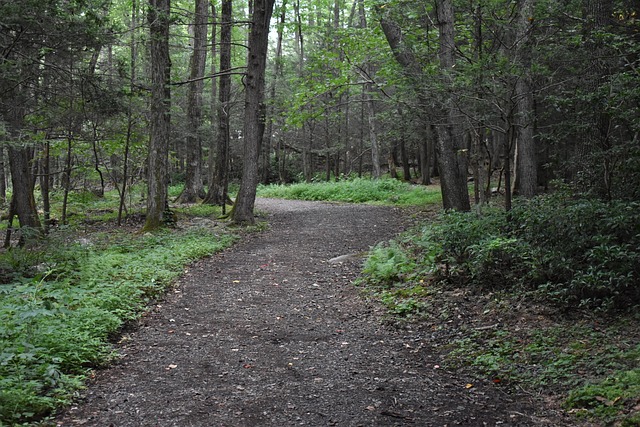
{"x": 270, "y": 333}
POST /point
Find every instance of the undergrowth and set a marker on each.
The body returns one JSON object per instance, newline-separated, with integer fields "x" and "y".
{"x": 62, "y": 301}
{"x": 356, "y": 190}
{"x": 570, "y": 264}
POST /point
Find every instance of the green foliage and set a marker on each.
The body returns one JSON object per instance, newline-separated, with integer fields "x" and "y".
{"x": 501, "y": 262}
{"x": 561, "y": 359}
{"x": 575, "y": 252}
{"x": 558, "y": 251}
{"x": 588, "y": 250}
{"x": 57, "y": 316}
{"x": 404, "y": 302}
{"x": 199, "y": 210}
{"x": 356, "y": 190}
{"x": 614, "y": 399}
{"x": 387, "y": 264}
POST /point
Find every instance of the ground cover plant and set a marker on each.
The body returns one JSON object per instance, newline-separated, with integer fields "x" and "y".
{"x": 62, "y": 299}
{"x": 356, "y": 190}
{"x": 544, "y": 297}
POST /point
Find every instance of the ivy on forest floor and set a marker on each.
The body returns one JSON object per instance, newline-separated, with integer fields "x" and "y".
{"x": 62, "y": 303}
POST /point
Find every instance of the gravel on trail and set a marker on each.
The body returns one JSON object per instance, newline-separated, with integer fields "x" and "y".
{"x": 272, "y": 332}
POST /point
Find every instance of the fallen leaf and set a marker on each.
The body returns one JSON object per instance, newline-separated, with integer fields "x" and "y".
{"x": 606, "y": 401}
{"x": 468, "y": 386}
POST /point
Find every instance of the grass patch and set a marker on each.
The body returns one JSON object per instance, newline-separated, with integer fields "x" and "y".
{"x": 357, "y": 190}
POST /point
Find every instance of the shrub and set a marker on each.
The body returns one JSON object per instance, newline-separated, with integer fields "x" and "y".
{"x": 387, "y": 264}
{"x": 589, "y": 250}
{"x": 502, "y": 262}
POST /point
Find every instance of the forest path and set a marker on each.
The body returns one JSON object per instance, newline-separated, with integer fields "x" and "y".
{"x": 269, "y": 333}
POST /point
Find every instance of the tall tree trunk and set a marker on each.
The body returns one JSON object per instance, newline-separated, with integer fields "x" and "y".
{"x": 220, "y": 174}
{"x": 412, "y": 69}
{"x": 373, "y": 137}
{"x": 526, "y": 166}
{"x": 22, "y": 181}
{"x": 594, "y": 149}
{"x": 213, "y": 141}
{"x": 193, "y": 186}
{"x": 254, "y": 110}
{"x": 3, "y": 177}
{"x": 266, "y": 152}
{"x": 23, "y": 203}
{"x": 424, "y": 151}
{"x": 160, "y": 119}
{"x": 66, "y": 176}
{"x": 453, "y": 158}
{"x": 45, "y": 189}
{"x": 132, "y": 82}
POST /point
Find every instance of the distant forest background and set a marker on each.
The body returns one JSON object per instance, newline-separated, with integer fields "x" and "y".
{"x": 510, "y": 94}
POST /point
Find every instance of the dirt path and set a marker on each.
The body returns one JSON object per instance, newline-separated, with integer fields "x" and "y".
{"x": 269, "y": 333}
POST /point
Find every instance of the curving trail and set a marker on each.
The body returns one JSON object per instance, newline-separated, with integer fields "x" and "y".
{"x": 269, "y": 333}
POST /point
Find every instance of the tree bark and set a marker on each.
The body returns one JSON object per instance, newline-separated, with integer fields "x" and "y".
{"x": 373, "y": 136}
{"x": 160, "y": 118}
{"x": 254, "y": 110}
{"x": 452, "y": 155}
{"x": 266, "y": 152}
{"x": 130, "y": 120}
{"x": 193, "y": 186}
{"x": 3, "y": 178}
{"x": 23, "y": 202}
{"x": 218, "y": 186}
{"x": 526, "y": 167}
{"x": 412, "y": 69}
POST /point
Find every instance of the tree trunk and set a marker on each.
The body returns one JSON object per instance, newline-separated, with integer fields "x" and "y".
{"x": 373, "y": 137}
{"x": 193, "y": 186}
{"x": 3, "y": 178}
{"x": 424, "y": 150}
{"x": 160, "y": 118}
{"x": 66, "y": 176}
{"x": 404, "y": 157}
{"x": 266, "y": 152}
{"x": 254, "y": 110}
{"x": 218, "y": 186}
{"x": 526, "y": 167}
{"x": 453, "y": 157}
{"x": 130, "y": 121}
{"x": 23, "y": 202}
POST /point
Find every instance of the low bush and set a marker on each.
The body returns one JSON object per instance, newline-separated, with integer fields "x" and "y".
{"x": 575, "y": 252}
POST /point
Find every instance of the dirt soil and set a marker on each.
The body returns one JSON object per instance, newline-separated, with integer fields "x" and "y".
{"x": 272, "y": 332}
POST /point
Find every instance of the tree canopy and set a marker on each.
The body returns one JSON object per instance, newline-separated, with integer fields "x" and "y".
{"x": 512, "y": 95}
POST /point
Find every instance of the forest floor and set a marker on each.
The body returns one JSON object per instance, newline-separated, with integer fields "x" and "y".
{"x": 271, "y": 333}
